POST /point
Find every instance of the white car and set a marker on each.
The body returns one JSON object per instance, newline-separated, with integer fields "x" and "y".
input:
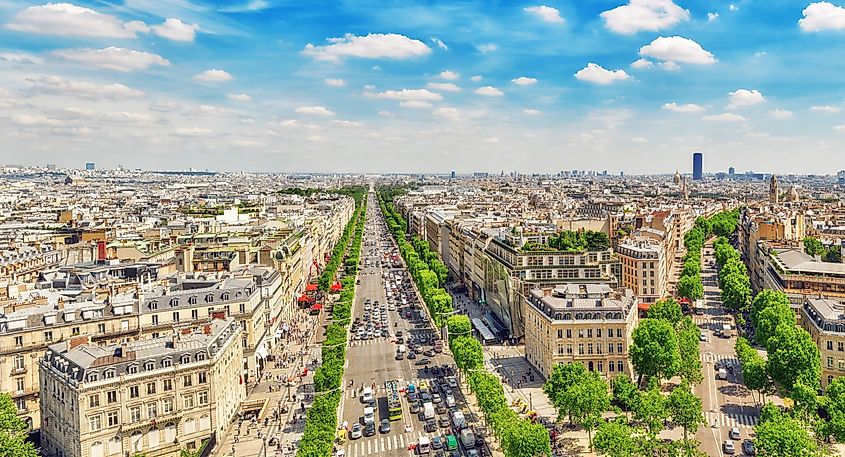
{"x": 356, "y": 431}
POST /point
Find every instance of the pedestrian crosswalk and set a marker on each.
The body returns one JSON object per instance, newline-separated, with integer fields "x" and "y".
{"x": 380, "y": 444}
{"x": 379, "y": 340}
{"x": 730, "y": 420}
{"x": 380, "y": 389}
{"x": 721, "y": 359}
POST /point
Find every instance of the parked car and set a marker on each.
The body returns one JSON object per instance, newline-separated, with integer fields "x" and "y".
{"x": 370, "y": 429}
{"x": 384, "y": 426}
{"x": 748, "y": 448}
{"x": 733, "y": 433}
{"x": 422, "y": 362}
{"x": 356, "y": 431}
{"x": 728, "y": 446}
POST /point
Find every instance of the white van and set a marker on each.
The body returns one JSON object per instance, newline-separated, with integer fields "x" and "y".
{"x": 369, "y": 415}
{"x": 722, "y": 374}
{"x": 367, "y": 395}
{"x": 424, "y": 446}
{"x": 401, "y": 349}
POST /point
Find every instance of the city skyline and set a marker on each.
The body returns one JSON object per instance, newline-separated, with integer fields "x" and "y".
{"x": 531, "y": 86}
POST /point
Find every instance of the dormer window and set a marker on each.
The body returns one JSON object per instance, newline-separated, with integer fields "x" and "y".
{"x": 200, "y": 356}
{"x": 132, "y": 369}
{"x": 153, "y": 305}
{"x": 192, "y": 300}
{"x": 166, "y": 363}
{"x": 109, "y": 374}
{"x": 209, "y": 298}
{"x": 92, "y": 376}
{"x": 149, "y": 366}
{"x": 186, "y": 359}
{"x": 174, "y": 302}
{"x": 224, "y": 296}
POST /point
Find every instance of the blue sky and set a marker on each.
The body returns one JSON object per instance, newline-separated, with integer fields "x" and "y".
{"x": 433, "y": 86}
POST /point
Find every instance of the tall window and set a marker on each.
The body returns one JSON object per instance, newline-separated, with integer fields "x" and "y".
{"x": 188, "y": 401}
{"x": 95, "y": 423}
{"x": 202, "y": 398}
{"x": 19, "y": 362}
{"x": 93, "y": 401}
{"x": 152, "y": 410}
{"x": 135, "y": 413}
{"x": 151, "y": 388}
{"x": 167, "y": 406}
{"x": 112, "y": 418}
{"x": 167, "y": 385}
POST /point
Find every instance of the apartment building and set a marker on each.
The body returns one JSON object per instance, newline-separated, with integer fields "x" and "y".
{"x": 824, "y": 319}
{"x": 780, "y": 225}
{"x": 799, "y": 275}
{"x": 580, "y": 322}
{"x": 151, "y": 397}
{"x": 644, "y": 267}
{"x": 25, "y": 263}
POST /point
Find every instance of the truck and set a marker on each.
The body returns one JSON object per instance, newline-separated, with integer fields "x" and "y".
{"x": 458, "y": 420}
{"x": 428, "y": 410}
{"x": 394, "y": 402}
{"x": 367, "y": 395}
{"x": 468, "y": 438}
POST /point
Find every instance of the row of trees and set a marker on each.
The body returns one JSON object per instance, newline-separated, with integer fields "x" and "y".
{"x": 428, "y": 271}
{"x": 579, "y": 241}
{"x": 666, "y": 344}
{"x": 321, "y": 420}
{"x": 519, "y": 437}
{"x": 721, "y": 224}
{"x": 330, "y": 270}
{"x": 733, "y": 276}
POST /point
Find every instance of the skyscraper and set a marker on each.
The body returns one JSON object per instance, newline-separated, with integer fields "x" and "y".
{"x": 89, "y": 165}
{"x": 697, "y": 158}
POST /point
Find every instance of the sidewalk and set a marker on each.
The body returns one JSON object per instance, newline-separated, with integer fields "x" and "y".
{"x": 292, "y": 356}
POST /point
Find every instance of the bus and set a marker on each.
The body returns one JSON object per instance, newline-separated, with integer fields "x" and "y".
{"x": 394, "y": 403}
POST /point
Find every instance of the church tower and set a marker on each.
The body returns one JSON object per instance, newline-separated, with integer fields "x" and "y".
{"x": 773, "y": 190}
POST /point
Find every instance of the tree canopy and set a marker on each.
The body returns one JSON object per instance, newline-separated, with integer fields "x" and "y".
{"x": 654, "y": 351}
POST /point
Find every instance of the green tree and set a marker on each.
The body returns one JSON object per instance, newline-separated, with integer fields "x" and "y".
{"x": 616, "y": 439}
{"x": 650, "y": 408}
{"x": 764, "y": 299}
{"x": 655, "y": 349}
{"x": 770, "y": 318}
{"x": 834, "y": 255}
{"x": 834, "y": 403}
{"x": 587, "y": 400}
{"x": 685, "y": 409}
{"x": 458, "y": 325}
{"x": 527, "y": 440}
{"x": 690, "y": 287}
{"x": 689, "y": 350}
{"x": 624, "y": 392}
{"x": 793, "y": 357}
{"x": 813, "y": 246}
{"x": 782, "y": 436}
{"x": 806, "y": 401}
{"x": 667, "y": 309}
{"x": 736, "y": 291}
{"x": 468, "y": 353}
{"x": 13, "y": 431}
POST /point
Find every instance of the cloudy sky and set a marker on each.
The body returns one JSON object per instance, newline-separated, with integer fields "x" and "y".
{"x": 428, "y": 86}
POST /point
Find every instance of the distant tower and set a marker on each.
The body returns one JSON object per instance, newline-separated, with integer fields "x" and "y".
{"x": 773, "y": 190}
{"x": 697, "y": 159}
{"x": 677, "y": 179}
{"x": 684, "y": 189}
{"x": 731, "y": 172}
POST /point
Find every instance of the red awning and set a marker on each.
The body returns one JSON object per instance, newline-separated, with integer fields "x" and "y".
{"x": 643, "y": 306}
{"x": 317, "y": 307}
{"x": 311, "y": 288}
{"x": 684, "y": 300}
{"x": 304, "y": 298}
{"x": 336, "y": 287}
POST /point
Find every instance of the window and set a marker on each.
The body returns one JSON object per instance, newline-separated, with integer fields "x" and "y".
{"x": 186, "y": 358}
{"x": 111, "y": 396}
{"x": 589, "y": 333}
{"x": 19, "y": 362}
{"x": 830, "y": 362}
{"x": 841, "y": 364}
{"x": 151, "y": 388}
{"x": 95, "y": 423}
{"x": 201, "y": 378}
{"x": 133, "y": 392}
{"x": 108, "y": 374}
{"x": 135, "y": 414}
{"x": 153, "y": 305}
{"x": 620, "y": 366}
{"x": 132, "y": 369}
{"x": 149, "y": 365}
{"x": 112, "y": 419}
{"x": 599, "y": 348}
{"x": 598, "y": 333}
{"x": 167, "y": 385}
{"x": 20, "y": 403}
{"x": 560, "y": 350}
{"x": 167, "y": 406}
{"x": 610, "y": 348}
{"x": 611, "y": 367}
{"x": 20, "y": 384}
{"x": 192, "y": 300}
{"x": 610, "y": 332}
{"x": 840, "y": 346}
{"x": 166, "y": 363}
{"x": 242, "y": 308}
{"x": 580, "y": 333}
{"x": 93, "y": 401}
{"x": 829, "y": 345}
{"x": 560, "y": 333}
{"x": 188, "y": 401}
{"x": 569, "y": 333}
{"x": 176, "y": 316}
{"x": 74, "y": 331}
{"x": 93, "y": 376}
{"x": 101, "y": 328}
{"x": 619, "y": 348}
{"x": 152, "y": 410}
{"x": 195, "y": 314}
{"x": 18, "y": 341}
{"x": 600, "y": 366}
{"x": 155, "y": 319}
{"x": 202, "y": 398}
{"x": 569, "y": 349}
{"x": 581, "y": 348}
{"x": 200, "y": 356}
{"x": 187, "y": 380}
{"x": 829, "y": 379}
{"x": 590, "y": 348}
{"x": 48, "y": 336}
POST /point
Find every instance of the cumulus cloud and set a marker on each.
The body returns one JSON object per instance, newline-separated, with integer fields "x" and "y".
{"x": 712, "y": 17}
{"x": 822, "y": 16}
{"x": 826, "y": 109}
{"x": 372, "y": 46}
{"x": 295, "y": 124}
{"x": 451, "y": 113}
{"x": 213, "y": 76}
{"x": 440, "y": 44}
{"x": 724, "y": 117}
{"x": 65, "y": 19}
{"x": 407, "y": 95}
{"x": 314, "y": 110}
{"x": 545, "y": 14}
{"x": 449, "y": 75}
{"x": 84, "y": 89}
{"x": 446, "y": 87}
{"x": 745, "y": 97}
{"x": 487, "y": 47}
{"x": 21, "y": 57}
{"x": 192, "y": 131}
{"x": 639, "y": 15}
{"x": 677, "y": 49}
{"x": 685, "y": 108}
{"x": 781, "y": 114}
{"x": 475, "y": 78}
{"x": 733, "y": 7}
{"x": 239, "y": 97}
{"x": 415, "y": 104}
{"x": 531, "y": 112}
{"x": 113, "y": 58}
{"x": 489, "y": 91}
{"x": 33, "y": 120}
{"x": 344, "y": 123}
{"x": 336, "y": 82}
{"x": 524, "y": 81}
{"x": 595, "y": 73}
{"x": 176, "y": 30}
{"x": 641, "y": 64}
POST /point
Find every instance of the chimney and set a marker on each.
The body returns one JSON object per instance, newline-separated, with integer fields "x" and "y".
{"x": 547, "y": 291}
{"x": 101, "y": 250}
{"x": 75, "y": 342}
{"x": 206, "y": 329}
{"x": 186, "y": 331}
{"x": 174, "y": 338}
{"x": 124, "y": 349}
{"x": 60, "y": 304}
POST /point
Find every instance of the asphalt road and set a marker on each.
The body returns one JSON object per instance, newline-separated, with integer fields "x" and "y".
{"x": 726, "y": 403}
{"x": 373, "y": 361}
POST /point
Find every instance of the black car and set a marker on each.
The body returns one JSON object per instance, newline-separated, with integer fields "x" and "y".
{"x": 384, "y": 426}
{"x": 430, "y": 426}
{"x": 436, "y": 371}
{"x": 412, "y": 356}
{"x": 440, "y": 408}
{"x": 370, "y": 429}
{"x": 421, "y": 361}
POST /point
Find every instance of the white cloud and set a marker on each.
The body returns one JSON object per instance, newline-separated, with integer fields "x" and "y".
{"x": 451, "y": 113}
{"x": 21, "y": 57}
{"x": 176, "y": 30}
{"x": 725, "y": 117}
{"x": 826, "y": 109}
{"x": 446, "y": 87}
{"x": 489, "y": 91}
{"x": 524, "y": 81}
{"x": 685, "y": 108}
{"x": 639, "y": 15}
{"x": 65, "y": 19}
{"x": 450, "y": 75}
{"x": 781, "y": 114}
{"x": 440, "y": 44}
{"x": 733, "y": 7}
{"x": 113, "y": 58}
{"x": 839, "y": 128}
{"x": 545, "y": 14}
{"x": 213, "y": 76}
{"x": 407, "y": 95}
{"x": 336, "y": 82}
{"x": 669, "y": 66}
{"x": 491, "y": 140}
{"x": 759, "y": 54}
{"x": 642, "y": 63}
{"x": 314, "y": 110}
{"x": 372, "y": 46}
{"x": 639, "y": 139}
{"x": 254, "y": 5}
{"x": 344, "y": 123}
{"x": 192, "y": 131}
{"x": 385, "y": 113}
{"x": 239, "y": 97}
{"x": 30, "y": 120}
{"x": 677, "y": 49}
{"x": 820, "y": 16}
{"x": 595, "y": 73}
{"x": 295, "y": 124}
{"x": 487, "y": 47}
{"x": 369, "y": 87}
{"x": 59, "y": 85}
{"x": 415, "y": 104}
{"x": 712, "y": 17}
{"x": 531, "y": 112}
{"x": 745, "y": 97}
{"x": 127, "y": 117}
{"x": 475, "y": 78}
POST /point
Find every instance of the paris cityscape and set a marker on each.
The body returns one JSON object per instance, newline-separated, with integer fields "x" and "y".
{"x": 270, "y": 228}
